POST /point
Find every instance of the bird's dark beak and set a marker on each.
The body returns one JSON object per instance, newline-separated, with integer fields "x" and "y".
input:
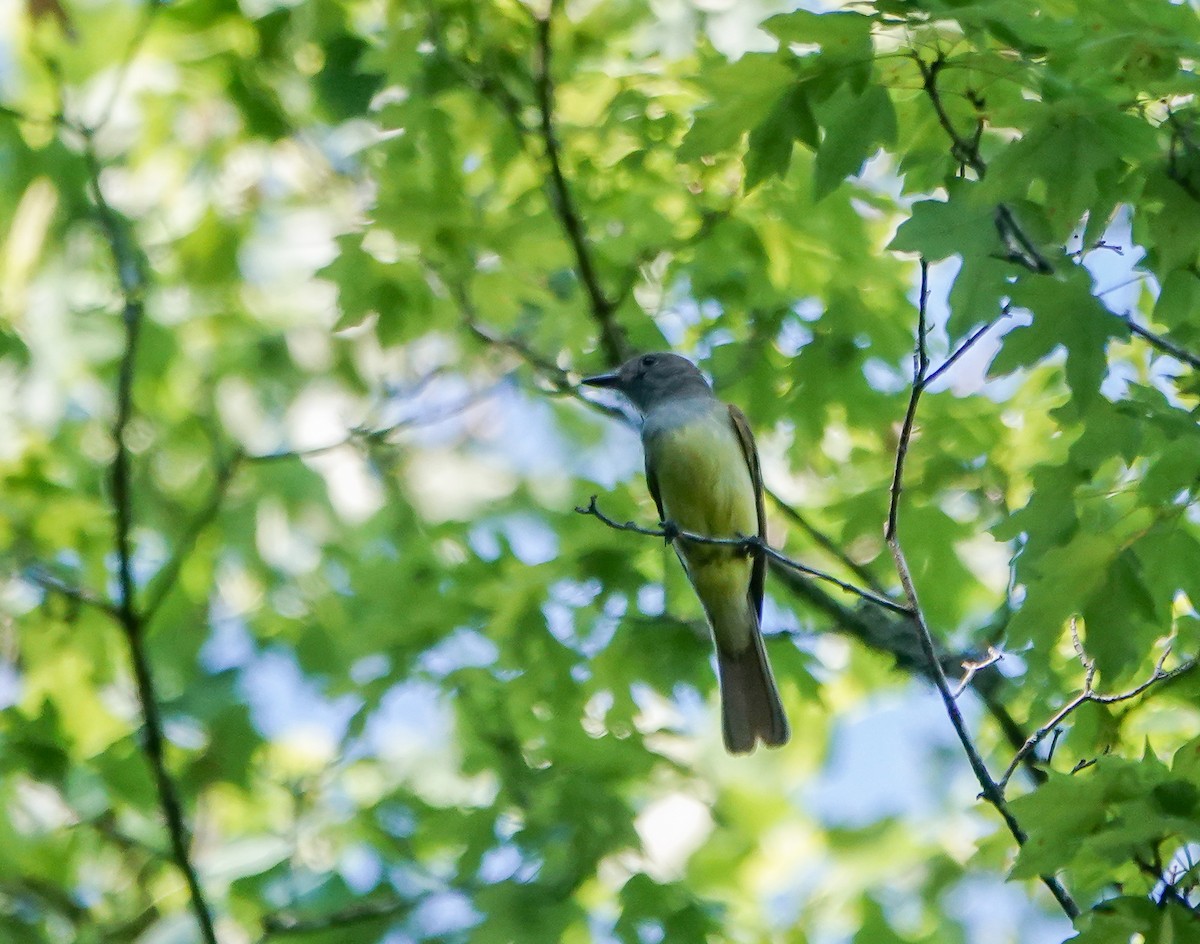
{"x": 603, "y": 380}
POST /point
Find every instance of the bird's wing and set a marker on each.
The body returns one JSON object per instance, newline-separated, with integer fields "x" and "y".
{"x": 758, "y": 573}
{"x": 652, "y": 483}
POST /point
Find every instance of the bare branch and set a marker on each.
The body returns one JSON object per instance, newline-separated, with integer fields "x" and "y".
{"x": 371, "y": 435}
{"x": 1158, "y": 341}
{"x": 165, "y": 580}
{"x": 1089, "y": 695}
{"x": 560, "y": 381}
{"x": 39, "y": 575}
{"x": 991, "y": 790}
{"x": 973, "y": 667}
{"x": 748, "y": 544}
{"x": 826, "y": 542}
{"x": 920, "y": 369}
{"x": 962, "y": 349}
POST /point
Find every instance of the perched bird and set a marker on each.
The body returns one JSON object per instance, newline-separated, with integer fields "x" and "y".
{"x": 703, "y": 472}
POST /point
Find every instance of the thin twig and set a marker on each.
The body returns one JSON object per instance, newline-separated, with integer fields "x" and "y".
{"x": 972, "y": 667}
{"x": 991, "y": 791}
{"x": 920, "y": 369}
{"x": 123, "y": 68}
{"x": 603, "y": 311}
{"x": 560, "y": 381}
{"x": 962, "y": 349}
{"x": 825, "y": 541}
{"x": 129, "y": 268}
{"x": 1090, "y": 695}
{"x": 368, "y": 435}
{"x": 39, "y": 575}
{"x": 752, "y": 543}
{"x": 1158, "y": 341}
{"x": 165, "y": 580}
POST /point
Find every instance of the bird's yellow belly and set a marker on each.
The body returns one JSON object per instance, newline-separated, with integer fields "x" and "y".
{"x": 704, "y": 481}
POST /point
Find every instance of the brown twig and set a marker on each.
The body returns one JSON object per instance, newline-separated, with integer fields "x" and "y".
{"x": 991, "y": 790}
{"x": 825, "y": 541}
{"x": 1090, "y": 695}
{"x": 368, "y": 435}
{"x": 165, "y": 580}
{"x": 962, "y": 349}
{"x": 972, "y": 667}
{"x": 40, "y": 576}
{"x": 920, "y": 369}
{"x": 561, "y": 382}
{"x": 1158, "y": 341}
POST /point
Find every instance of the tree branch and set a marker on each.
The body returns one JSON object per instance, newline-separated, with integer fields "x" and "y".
{"x": 1090, "y": 695}
{"x": 1158, "y": 341}
{"x": 991, "y": 790}
{"x": 128, "y": 264}
{"x": 962, "y": 349}
{"x": 559, "y": 379}
{"x": 748, "y": 544}
{"x": 603, "y": 310}
{"x": 825, "y": 541}
{"x": 39, "y": 575}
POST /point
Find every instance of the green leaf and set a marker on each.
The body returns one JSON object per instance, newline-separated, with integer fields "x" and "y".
{"x": 854, "y": 125}
{"x": 958, "y": 225}
{"x": 1105, "y": 143}
{"x": 744, "y": 93}
{"x": 770, "y": 150}
{"x": 1058, "y": 816}
{"x": 1121, "y": 618}
{"x": 844, "y": 39}
{"x": 1179, "y": 301}
{"x": 1064, "y": 313}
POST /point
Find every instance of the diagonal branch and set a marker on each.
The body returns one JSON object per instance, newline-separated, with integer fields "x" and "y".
{"x": 1158, "y": 341}
{"x": 38, "y": 574}
{"x": 603, "y": 309}
{"x": 132, "y": 278}
{"x": 966, "y": 345}
{"x": 1089, "y": 694}
{"x": 825, "y": 541}
{"x": 991, "y": 790}
{"x": 558, "y": 379}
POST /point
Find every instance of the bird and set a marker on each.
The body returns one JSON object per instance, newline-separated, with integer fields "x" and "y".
{"x": 703, "y": 472}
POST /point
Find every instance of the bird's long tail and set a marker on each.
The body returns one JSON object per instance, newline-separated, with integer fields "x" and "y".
{"x": 750, "y": 705}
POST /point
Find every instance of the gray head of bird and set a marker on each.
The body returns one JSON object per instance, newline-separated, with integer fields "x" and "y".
{"x": 649, "y": 379}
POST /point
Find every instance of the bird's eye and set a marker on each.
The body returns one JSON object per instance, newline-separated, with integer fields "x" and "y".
{"x": 649, "y": 360}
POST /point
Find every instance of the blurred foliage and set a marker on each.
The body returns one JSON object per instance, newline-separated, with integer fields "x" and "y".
{"x": 406, "y": 693}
